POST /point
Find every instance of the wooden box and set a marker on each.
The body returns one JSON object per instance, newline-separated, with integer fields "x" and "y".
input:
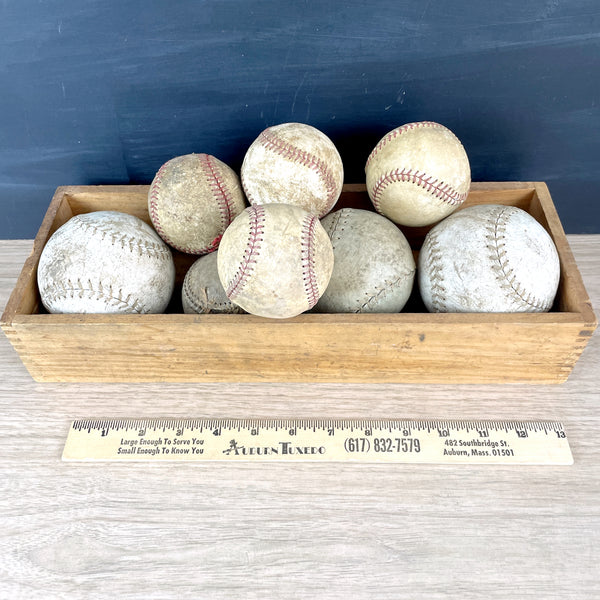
{"x": 412, "y": 346}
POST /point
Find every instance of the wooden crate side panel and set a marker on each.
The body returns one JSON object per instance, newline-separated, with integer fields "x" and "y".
{"x": 303, "y": 352}
{"x": 489, "y": 193}
{"x": 135, "y": 197}
{"x": 131, "y": 199}
{"x": 24, "y": 298}
{"x": 572, "y": 295}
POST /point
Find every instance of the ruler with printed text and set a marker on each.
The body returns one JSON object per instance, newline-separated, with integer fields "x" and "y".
{"x": 289, "y": 440}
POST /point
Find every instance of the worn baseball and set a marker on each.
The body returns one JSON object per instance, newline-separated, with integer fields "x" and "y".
{"x": 192, "y": 200}
{"x": 106, "y": 262}
{"x": 275, "y": 260}
{"x": 373, "y": 268}
{"x": 202, "y": 291}
{"x": 488, "y": 258}
{"x": 418, "y": 174}
{"x": 293, "y": 163}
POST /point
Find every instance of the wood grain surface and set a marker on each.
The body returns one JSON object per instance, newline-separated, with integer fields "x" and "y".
{"x": 300, "y": 531}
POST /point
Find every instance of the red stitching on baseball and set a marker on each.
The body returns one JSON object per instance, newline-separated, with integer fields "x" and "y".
{"x": 444, "y": 191}
{"x": 215, "y": 243}
{"x": 218, "y": 188}
{"x": 153, "y": 208}
{"x": 308, "y": 260}
{"x": 257, "y": 225}
{"x": 399, "y": 131}
{"x": 272, "y": 142}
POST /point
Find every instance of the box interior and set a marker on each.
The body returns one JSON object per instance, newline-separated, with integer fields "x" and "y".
{"x": 133, "y": 200}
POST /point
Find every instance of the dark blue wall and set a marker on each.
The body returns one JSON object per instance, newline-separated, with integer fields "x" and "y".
{"x": 105, "y": 91}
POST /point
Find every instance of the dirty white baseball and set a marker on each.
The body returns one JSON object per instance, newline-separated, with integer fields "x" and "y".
{"x": 192, "y": 200}
{"x": 106, "y": 262}
{"x": 293, "y": 163}
{"x": 418, "y": 174}
{"x": 488, "y": 258}
{"x": 202, "y": 291}
{"x": 373, "y": 269}
{"x": 275, "y": 260}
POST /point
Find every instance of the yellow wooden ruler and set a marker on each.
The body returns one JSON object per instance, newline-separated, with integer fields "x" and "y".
{"x": 290, "y": 440}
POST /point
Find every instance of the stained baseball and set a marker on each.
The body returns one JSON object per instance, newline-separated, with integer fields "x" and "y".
{"x": 106, "y": 262}
{"x": 202, "y": 291}
{"x": 275, "y": 260}
{"x": 296, "y": 164}
{"x": 374, "y": 268}
{"x": 488, "y": 258}
{"x": 418, "y": 174}
{"x": 192, "y": 200}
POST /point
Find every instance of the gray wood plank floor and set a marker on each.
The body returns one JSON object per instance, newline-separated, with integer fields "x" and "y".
{"x": 296, "y": 531}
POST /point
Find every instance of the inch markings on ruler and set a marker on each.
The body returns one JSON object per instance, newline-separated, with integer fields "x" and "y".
{"x": 324, "y": 440}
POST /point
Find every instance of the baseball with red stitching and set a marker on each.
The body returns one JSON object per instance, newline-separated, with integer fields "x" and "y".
{"x": 373, "y": 268}
{"x": 293, "y": 163}
{"x": 275, "y": 260}
{"x": 202, "y": 291}
{"x": 418, "y": 174}
{"x": 192, "y": 200}
{"x": 488, "y": 258}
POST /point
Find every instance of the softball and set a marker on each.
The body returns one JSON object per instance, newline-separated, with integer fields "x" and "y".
{"x": 374, "y": 268}
{"x": 488, "y": 258}
{"x": 106, "y": 262}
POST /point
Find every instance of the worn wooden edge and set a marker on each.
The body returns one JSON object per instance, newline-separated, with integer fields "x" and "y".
{"x": 168, "y": 330}
{"x": 425, "y": 379}
{"x": 28, "y": 272}
{"x": 346, "y": 319}
{"x": 571, "y": 280}
{"x": 93, "y": 190}
{"x": 569, "y": 270}
{"x": 183, "y": 350}
{"x": 41, "y": 374}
